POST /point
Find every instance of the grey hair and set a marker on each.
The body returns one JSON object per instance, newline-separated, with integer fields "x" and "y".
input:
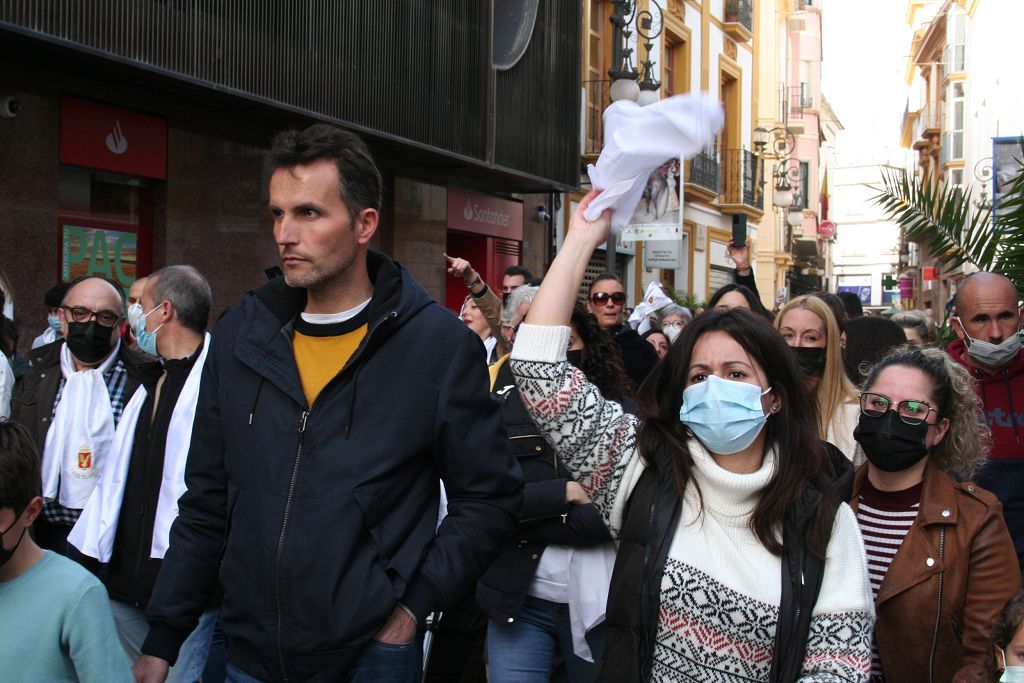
{"x": 674, "y": 309}
{"x": 915, "y": 320}
{"x": 189, "y": 293}
{"x": 523, "y": 294}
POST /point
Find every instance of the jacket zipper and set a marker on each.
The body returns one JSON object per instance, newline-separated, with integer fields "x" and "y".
{"x": 279, "y": 555}
{"x": 938, "y": 612}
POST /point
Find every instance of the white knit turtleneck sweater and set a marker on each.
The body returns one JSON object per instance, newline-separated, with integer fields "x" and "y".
{"x": 721, "y": 588}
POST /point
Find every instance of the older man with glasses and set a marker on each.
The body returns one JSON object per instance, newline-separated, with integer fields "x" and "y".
{"x": 72, "y": 400}
{"x": 606, "y": 300}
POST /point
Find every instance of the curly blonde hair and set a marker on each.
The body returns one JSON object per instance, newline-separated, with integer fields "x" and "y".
{"x": 968, "y": 439}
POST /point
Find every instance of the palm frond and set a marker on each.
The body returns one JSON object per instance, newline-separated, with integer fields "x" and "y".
{"x": 942, "y": 219}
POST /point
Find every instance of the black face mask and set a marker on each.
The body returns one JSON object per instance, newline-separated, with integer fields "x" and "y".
{"x": 575, "y": 357}
{"x": 89, "y": 342}
{"x": 504, "y": 297}
{"x": 6, "y": 555}
{"x": 889, "y": 443}
{"x": 811, "y": 359}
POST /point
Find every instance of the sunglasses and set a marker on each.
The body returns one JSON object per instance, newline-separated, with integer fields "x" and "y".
{"x": 601, "y": 298}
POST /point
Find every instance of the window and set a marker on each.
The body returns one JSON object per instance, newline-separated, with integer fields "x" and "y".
{"x": 954, "y": 138}
{"x": 675, "y": 76}
{"x": 669, "y": 71}
{"x": 956, "y": 177}
{"x": 956, "y": 40}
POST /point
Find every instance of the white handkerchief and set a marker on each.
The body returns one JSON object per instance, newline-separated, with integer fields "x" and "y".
{"x": 637, "y": 140}
{"x": 654, "y": 300}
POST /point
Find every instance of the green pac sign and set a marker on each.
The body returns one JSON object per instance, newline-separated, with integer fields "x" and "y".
{"x": 98, "y": 251}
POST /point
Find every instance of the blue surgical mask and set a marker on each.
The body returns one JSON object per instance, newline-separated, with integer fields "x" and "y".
{"x": 54, "y": 322}
{"x": 144, "y": 338}
{"x": 1011, "y": 674}
{"x": 726, "y": 416}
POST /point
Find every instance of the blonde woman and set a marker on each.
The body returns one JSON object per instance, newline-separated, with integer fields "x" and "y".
{"x": 810, "y": 329}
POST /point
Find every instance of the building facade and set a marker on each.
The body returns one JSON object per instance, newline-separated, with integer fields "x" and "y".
{"x": 963, "y": 121}
{"x": 140, "y": 127}
{"x": 706, "y": 46}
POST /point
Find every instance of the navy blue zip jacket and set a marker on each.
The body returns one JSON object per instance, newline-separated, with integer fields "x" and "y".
{"x": 318, "y": 520}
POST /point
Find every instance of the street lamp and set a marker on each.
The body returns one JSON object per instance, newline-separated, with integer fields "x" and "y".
{"x": 627, "y": 82}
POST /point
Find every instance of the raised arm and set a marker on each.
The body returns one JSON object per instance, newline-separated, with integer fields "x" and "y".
{"x": 592, "y": 437}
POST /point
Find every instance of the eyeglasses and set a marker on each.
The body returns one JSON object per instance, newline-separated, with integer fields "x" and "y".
{"x": 678, "y": 324}
{"x": 601, "y": 298}
{"x": 80, "y": 314}
{"x": 910, "y": 412}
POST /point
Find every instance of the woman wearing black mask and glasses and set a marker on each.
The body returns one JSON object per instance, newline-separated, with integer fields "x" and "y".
{"x": 940, "y": 558}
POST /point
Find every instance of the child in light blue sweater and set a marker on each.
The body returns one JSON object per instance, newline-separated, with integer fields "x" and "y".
{"x": 55, "y": 619}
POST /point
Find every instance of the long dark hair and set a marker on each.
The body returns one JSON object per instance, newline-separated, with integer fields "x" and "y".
{"x": 793, "y": 429}
{"x": 752, "y": 300}
{"x": 602, "y": 359}
{"x": 1010, "y": 619}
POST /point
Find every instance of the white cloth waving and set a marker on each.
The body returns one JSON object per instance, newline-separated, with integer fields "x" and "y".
{"x": 637, "y": 140}
{"x": 79, "y": 437}
{"x": 94, "y": 533}
{"x": 655, "y": 299}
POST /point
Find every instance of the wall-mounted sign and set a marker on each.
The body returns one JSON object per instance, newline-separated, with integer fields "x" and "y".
{"x": 700, "y": 239}
{"x": 484, "y": 215}
{"x": 663, "y": 254}
{"x": 96, "y": 135}
{"x": 98, "y": 251}
{"x": 929, "y": 274}
{"x": 906, "y": 287}
{"x": 827, "y": 229}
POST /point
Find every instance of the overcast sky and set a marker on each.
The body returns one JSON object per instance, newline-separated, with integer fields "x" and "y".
{"x": 865, "y": 47}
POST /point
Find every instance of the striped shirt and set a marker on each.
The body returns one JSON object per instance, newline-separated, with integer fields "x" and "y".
{"x": 884, "y": 518}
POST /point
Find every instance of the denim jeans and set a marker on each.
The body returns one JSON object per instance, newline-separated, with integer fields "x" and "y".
{"x": 132, "y": 628}
{"x": 379, "y": 663}
{"x": 531, "y": 648}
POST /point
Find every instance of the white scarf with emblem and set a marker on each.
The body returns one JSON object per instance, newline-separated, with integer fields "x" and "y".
{"x": 79, "y": 437}
{"x": 94, "y": 533}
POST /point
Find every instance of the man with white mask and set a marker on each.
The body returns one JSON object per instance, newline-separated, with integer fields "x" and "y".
{"x": 72, "y": 400}
{"x": 128, "y": 518}
{"x": 986, "y": 322}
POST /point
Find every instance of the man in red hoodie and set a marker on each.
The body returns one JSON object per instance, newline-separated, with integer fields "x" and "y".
{"x": 987, "y": 322}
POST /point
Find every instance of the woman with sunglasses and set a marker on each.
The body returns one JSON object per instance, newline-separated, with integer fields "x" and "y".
{"x": 606, "y": 300}
{"x": 940, "y": 558}
{"x": 736, "y": 561}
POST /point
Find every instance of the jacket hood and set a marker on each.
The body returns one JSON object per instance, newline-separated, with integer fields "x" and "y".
{"x": 394, "y": 291}
{"x": 958, "y": 350}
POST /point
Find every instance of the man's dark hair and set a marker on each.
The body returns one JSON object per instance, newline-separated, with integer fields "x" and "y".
{"x": 601, "y": 278}
{"x": 55, "y": 295}
{"x": 189, "y": 293}
{"x": 868, "y": 339}
{"x": 20, "y": 478}
{"x": 359, "y": 180}
{"x": 852, "y": 304}
{"x": 752, "y": 299}
{"x": 512, "y": 271}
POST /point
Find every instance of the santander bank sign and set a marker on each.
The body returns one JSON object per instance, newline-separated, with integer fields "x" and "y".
{"x": 485, "y": 215}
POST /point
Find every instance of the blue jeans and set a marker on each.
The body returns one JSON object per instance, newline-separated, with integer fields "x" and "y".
{"x": 380, "y": 663}
{"x": 531, "y": 648}
{"x": 132, "y": 628}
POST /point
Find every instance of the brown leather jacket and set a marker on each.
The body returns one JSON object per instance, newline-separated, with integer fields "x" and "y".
{"x": 947, "y": 584}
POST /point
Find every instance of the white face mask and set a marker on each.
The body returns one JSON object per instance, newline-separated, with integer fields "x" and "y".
{"x": 135, "y": 313}
{"x": 671, "y": 333}
{"x": 989, "y": 355}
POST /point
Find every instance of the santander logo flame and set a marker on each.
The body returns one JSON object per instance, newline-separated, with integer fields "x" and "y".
{"x": 116, "y": 141}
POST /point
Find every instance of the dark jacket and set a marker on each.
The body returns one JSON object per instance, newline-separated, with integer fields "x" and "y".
{"x": 319, "y": 520}
{"x": 545, "y": 516}
{"x": 947, "y": 584}
{"x": 649, "y": 524}
{"x": 32, "y": 406}
{"x": 1002, "y": 398}
{"x": 638, "y": 356}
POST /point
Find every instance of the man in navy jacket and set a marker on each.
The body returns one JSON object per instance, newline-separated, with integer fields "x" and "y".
{"x": 332, "y": 402}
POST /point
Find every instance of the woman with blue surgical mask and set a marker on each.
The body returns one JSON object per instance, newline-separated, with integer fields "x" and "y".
{"x": 737, "y": 561}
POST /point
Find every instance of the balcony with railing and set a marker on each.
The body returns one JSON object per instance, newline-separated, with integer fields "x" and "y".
{"x": 926, "y": 127}
{"x": 739, "y": 19}
{"x": 742, "y": 187}
{"x": 703, "y": 175}
{"x": 596, "y": 98}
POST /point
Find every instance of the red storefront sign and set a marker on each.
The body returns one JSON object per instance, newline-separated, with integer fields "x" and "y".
{"x": 484, "y": 215}
{"x": 99, "y": 136}
{"x": 929, "y": 274}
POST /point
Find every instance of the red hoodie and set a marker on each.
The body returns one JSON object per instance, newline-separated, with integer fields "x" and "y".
{"x": 1002, "y": 397}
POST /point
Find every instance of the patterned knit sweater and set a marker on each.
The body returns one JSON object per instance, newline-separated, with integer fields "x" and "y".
{"x": 720, "y": 592}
